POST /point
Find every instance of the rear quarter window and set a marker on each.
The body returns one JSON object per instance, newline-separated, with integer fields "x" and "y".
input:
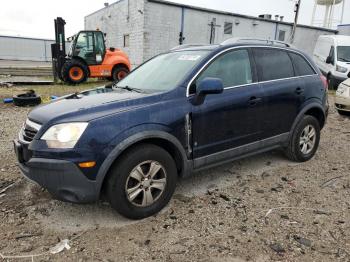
{"x": 301, "y": 66}
{"x": 273, "y": 64}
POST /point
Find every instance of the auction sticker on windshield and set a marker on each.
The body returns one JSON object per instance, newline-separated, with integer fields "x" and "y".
{"x": 189, "y": 57}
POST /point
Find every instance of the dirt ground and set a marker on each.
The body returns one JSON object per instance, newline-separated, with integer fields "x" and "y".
{"x": 264, "y": 208}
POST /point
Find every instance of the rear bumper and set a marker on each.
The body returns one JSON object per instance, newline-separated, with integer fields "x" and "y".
{"x": 63, "y": 179}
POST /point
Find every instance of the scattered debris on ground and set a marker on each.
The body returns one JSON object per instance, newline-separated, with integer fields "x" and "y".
{"x": 263, "y": 208}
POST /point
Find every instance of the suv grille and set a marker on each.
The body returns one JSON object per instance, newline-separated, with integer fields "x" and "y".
{"x": 28, "y": 131}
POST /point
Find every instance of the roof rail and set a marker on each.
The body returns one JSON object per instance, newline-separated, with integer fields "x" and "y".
{"x": 179, "y": 47}
{"x": 254, "y": 40}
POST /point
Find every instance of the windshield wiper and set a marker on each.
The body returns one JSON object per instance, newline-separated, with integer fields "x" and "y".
{"x": 131, "y": 89}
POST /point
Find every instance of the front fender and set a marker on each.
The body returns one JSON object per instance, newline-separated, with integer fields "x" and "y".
{"x": 118, "y": 59}
{"x": 133, "y": 136}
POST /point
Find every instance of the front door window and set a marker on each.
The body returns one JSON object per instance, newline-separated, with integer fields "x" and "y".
{"x": 84, "y": 47}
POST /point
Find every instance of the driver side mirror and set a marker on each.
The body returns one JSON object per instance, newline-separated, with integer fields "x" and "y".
{"x": 329, "y": 60}
{"x": 208, "y": 86}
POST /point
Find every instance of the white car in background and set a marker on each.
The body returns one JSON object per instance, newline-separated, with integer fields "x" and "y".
{"x": 332, "y": 56}
{"x": 342, "y": 97}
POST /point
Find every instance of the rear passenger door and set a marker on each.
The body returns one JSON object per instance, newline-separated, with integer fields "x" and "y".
{"x": 283, "y": 92}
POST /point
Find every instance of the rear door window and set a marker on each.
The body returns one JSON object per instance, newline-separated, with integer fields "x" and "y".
{"x": 301, "y": 66}
{"x": 273, "y": 64}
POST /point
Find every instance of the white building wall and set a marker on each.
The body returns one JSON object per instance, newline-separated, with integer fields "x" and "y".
{"x": 119, "y": 19}
{"x": 162, "y": 28}
{"x": 305, "y": 39}
{"x": 157, "y": 29}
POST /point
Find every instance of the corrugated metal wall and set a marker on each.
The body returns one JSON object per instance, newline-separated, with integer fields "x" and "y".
{"x": 20, "y": 48}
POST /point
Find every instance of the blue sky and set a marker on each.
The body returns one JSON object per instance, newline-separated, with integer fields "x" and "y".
{"x": 35, "y": 18}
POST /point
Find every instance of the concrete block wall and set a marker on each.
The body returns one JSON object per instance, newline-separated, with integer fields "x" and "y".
{"x": 305, "y": 39}
{"x": 119, "y": 19}
{"x": 163, "y": 25}
{"x": 197, "y": 28}
{"x": 162, "y": 28}
{"x": 154, "y": 27}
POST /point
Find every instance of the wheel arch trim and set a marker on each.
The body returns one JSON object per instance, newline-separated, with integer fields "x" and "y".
{"x": 135, "y": 139}
{"x": 306, "y": 108}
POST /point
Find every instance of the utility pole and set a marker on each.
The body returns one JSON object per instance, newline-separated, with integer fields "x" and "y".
{"x": 213, "y": 25}
{"x": 296, "y": 11}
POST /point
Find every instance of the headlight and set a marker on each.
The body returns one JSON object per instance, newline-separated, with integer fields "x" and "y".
{"x": 341, "y": 69}
{"x": 64, "y": 135}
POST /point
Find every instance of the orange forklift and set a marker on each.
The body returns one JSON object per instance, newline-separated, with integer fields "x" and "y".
{"x": 87, "y": 57}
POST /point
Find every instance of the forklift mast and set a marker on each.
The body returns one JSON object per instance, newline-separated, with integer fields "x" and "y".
{"x": 58, "y": 49}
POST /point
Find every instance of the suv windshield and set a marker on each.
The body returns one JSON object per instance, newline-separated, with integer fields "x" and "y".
{"x": 344, "y": 53}
{"x": 164, "y": 72}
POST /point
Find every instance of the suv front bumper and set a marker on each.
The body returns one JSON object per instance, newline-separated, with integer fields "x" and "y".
{"x": 63, "y": 179}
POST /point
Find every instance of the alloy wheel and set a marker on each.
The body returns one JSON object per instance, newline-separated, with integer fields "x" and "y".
{"x": 307, "y": 139}
{"x": 146, "y": 183}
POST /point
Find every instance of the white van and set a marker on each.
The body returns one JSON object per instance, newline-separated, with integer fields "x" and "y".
{"x": 332, "y": 56}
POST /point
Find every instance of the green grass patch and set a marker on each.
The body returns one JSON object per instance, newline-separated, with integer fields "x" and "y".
{"x": 46, "y": 91}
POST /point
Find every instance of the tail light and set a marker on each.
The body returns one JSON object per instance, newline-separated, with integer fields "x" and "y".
{"x": 324, "y": 82}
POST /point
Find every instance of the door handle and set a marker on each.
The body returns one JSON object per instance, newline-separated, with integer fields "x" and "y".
{"x": 299, "y": 91}
{"x": 254, "y": 101}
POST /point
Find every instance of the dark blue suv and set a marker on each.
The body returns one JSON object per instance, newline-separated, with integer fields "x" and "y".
{"x": 180, "y": 112}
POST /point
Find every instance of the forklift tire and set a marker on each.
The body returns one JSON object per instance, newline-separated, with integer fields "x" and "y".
{"x": 119, "y": 72}
{"x": 74, "y": 72}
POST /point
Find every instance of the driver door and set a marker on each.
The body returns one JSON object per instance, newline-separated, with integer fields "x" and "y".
{"x": 230, "y": 120}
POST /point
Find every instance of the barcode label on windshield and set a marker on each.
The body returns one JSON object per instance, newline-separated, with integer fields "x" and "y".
{"x": 189, "y": 57}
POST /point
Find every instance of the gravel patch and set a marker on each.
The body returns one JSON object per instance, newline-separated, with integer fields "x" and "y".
{"x": 263, "y": 208}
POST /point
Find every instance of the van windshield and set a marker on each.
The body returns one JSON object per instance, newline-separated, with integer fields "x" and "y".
{"x": 163, "y": 72}
{"x": 344, "y": 53}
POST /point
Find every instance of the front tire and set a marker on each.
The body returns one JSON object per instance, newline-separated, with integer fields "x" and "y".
{"x": 119, "y": 73}
{"x": 74, "y": 72}
{"x": 142, "y": 182}
{"x": 305, "y": 140}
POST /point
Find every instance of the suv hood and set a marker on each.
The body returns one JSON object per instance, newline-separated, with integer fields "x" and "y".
{"x": 80, "y": 107}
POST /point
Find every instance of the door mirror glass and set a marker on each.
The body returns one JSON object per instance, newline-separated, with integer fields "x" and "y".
{"x": 208, "y": 86}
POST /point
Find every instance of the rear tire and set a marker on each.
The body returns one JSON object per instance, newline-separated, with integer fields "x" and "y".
{"x": 119, "y": 72}
{"x": 136, "y": 192}
{"x": 305, "y": 140}
{"x": 74, "y": 72}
